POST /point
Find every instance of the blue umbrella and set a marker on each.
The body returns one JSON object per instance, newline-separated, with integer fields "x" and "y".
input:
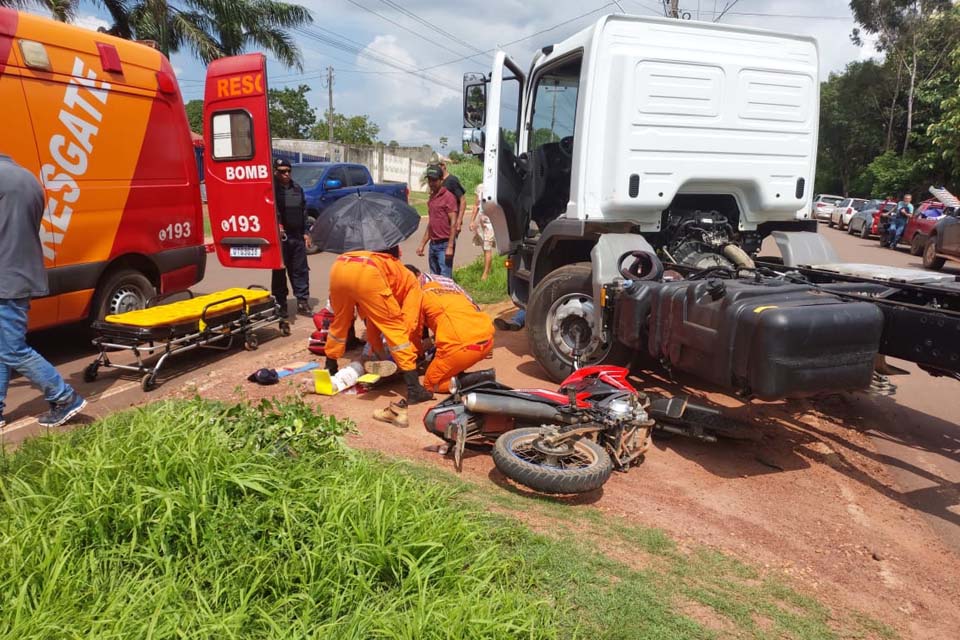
{"x": 364, "y": 222}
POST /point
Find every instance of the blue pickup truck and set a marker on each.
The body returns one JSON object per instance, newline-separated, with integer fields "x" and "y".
{"x": 326, "y": 182}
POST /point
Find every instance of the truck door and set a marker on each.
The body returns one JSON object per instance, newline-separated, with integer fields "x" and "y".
{"x": 238, "y": 159}
{"x": 491, "y": 120}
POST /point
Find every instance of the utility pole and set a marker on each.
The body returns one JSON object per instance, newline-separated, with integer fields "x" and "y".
{"x": 675, "y": 9}
{"x": 330, "y": 105}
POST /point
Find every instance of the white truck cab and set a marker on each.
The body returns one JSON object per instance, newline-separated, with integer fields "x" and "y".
{"x": 688, "y": 139}
{"x": 622, "y": 117}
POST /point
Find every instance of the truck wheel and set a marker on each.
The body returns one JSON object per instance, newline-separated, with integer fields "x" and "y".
{"x": 122, "y": 291}
{"x": 311, "y": 220}
{"x": 916, "y": 246}
{"x": 930, "y": 258}
{"x": 560, "y": 316}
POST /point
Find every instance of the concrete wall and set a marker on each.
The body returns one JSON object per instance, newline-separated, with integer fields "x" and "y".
{"x": 403, "y": 165}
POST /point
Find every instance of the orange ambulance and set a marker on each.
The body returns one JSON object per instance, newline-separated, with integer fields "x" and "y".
{"x": 100, "y": 121}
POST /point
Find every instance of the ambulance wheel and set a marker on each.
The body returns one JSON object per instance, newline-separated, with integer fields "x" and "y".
{"x": 148, "y": 382}
{"x": 251, "y": 342}
{"x": 122, "y": 291}
{"x": 284, "y": 328}
{"x": 91, "y": 371}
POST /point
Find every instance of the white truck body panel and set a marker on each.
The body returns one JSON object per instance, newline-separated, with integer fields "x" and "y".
{"x": 690, "y": 107}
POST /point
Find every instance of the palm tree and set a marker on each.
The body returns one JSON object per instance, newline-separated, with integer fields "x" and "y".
{"x": 62, "y": 10}
{"x": 209, "y": 28}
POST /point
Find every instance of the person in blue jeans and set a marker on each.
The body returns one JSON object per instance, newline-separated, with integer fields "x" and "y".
{"x": 22, "y": 277}
{"x": 442, "y": 214}
{"x": 898, "y": 221}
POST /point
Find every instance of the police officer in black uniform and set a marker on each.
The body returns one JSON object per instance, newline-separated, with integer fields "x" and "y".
{"x": 292, "y": 215}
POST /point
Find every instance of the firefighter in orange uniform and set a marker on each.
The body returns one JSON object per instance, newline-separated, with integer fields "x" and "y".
{"x": 462, "y": 333}
{"x": 387, "y": 296}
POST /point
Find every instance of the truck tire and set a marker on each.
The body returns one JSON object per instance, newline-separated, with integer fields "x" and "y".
{"x": 515, "y": 458}
{"x": 560, "y": 309}
{"x": 124, "y": 290}
{"x": 930, "y": 258}
{"x": 917, "y": 245}
{"x": 311, "y": 219}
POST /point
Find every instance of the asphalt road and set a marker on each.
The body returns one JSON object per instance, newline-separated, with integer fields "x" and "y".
{"x": 70, "y": 350}
{"x": 919, "y": 443}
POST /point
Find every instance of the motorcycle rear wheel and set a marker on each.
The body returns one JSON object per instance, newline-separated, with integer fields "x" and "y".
{"x": 585, "y": 468}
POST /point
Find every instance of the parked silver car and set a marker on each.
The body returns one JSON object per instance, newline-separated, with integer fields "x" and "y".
{"x": 844, "y": 211}
{"x": 823, "y": 206}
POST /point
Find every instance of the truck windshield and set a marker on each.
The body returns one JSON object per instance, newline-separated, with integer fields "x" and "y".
{"x": 307, "y": 176}
{"x": 555, "y": 105}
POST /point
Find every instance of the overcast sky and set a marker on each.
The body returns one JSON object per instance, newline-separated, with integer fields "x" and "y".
{"x": 417, "y": 111}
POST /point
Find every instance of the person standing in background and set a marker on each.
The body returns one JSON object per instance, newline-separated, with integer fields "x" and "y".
{"x": 898, "y": 222}
{"x": 442, "y": 219}
{"x": 292, "y": 215}
{"x": 483, "y": 235}
{"x": 452, "y": 184}
{"x": 22, "y": 277}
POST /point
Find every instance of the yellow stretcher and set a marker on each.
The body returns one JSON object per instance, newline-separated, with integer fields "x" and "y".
{"x": 164, "y": 329}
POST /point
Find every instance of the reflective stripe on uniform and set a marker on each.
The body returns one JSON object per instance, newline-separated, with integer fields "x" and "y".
{"x": 401, "y": 347}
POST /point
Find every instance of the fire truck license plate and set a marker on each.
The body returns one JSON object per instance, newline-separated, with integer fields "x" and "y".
{"x": 245, "y": 251}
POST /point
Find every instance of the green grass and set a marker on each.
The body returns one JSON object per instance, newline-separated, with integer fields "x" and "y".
{"x": 489, "y": 291}
{"x": 202, "y": 520}
{"x": 197, "y": 520}
{"x": 418, "y": 200}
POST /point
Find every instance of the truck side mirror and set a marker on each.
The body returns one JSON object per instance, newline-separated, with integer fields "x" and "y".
{"x": 333, "y": 184}
{"x": 473, "y": 141}
{"x": 474, "y": 100}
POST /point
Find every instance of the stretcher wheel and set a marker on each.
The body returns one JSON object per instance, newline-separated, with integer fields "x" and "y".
{"x": 251, "y": 342}
{"x": 284, "y": 328}
{"x": 90, "y": 372}
{"x": 148, "y": 382}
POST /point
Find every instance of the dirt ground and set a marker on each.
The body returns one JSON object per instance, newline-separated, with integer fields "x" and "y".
{"x": 855, "y": 497}
{"x": 804, "y": 494}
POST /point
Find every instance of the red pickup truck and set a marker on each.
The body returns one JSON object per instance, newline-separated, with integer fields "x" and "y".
{"x": 921, "y": 223}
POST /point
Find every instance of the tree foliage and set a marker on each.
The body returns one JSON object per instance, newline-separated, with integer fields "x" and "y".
{"x": 291, "y": 116}
{"x": 210, "y": 29}
{"x": 195, "y": 115}
{"x": 347, "y": 129}
{"x": 892, "y": 125}
{"x": 902, "y": 29}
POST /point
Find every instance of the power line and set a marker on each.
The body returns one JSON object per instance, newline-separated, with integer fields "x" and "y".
{"x": 409, "y": 30}
{"x": 430, "y": 25}
{"x": 726, "y": 8}
{"x": 343, "y": 44}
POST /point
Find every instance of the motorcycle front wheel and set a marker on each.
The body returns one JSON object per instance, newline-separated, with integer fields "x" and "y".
{"x": 579, "y": 466}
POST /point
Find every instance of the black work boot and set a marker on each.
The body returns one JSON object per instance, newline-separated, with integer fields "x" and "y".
{"x": 465, "y": 380}
{"x": 416, "y": 392}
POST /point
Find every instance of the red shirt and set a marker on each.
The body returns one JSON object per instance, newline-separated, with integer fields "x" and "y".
{"x": 440, "y": 206}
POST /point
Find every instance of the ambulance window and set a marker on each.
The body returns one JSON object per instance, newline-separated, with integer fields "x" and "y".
{"x": 232, "y": 135}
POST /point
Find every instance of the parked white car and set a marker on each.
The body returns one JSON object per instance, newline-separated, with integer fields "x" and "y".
{"x": 844, "y": 212}
{"x": 823, "y": 206}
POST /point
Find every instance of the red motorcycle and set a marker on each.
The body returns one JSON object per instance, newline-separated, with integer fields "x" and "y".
{"x": 565, "y": 441}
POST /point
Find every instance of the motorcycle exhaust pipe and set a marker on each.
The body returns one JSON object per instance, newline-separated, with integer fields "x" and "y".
{"x": 526, "y": 410}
